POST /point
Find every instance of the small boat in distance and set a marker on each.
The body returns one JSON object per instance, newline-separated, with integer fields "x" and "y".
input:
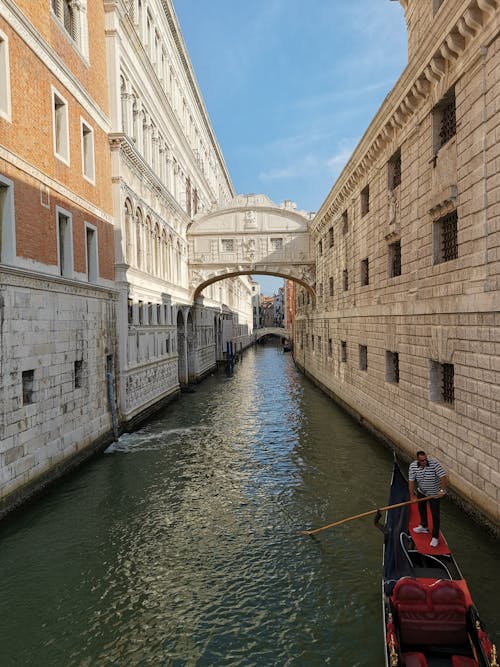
{"x": 430, "y": 619}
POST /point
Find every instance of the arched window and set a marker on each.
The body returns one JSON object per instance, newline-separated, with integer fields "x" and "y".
{"x": 129, "y": 232}
{"x": 156, "y": 257}
{"x": 164, "y": 255}
{"x": 138, "y": 236}
{"x": 148, "y": 248}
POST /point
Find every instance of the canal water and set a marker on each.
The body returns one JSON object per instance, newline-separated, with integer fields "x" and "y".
{"x": 181, "y": 545}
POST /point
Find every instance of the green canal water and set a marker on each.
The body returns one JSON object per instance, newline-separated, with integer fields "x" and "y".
{"x": 180, "y": 545}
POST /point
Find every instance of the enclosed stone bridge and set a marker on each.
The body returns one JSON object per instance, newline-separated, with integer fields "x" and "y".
{"x": 251, "y": 235}
{"x": 271, "y": 331}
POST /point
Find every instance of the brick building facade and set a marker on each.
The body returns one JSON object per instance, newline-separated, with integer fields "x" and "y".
{"x": 57, "y": 297}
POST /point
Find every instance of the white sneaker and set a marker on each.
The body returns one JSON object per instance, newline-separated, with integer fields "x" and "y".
{"x": 434, "y": 542}
{"x": 420, "y": 529}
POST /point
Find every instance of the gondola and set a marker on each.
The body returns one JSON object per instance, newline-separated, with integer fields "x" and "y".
{"x": 430, "y": 619}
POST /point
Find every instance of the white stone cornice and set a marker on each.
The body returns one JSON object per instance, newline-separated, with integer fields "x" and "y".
{"x": 52, "y": 61}
{"x": 52, "y": 184}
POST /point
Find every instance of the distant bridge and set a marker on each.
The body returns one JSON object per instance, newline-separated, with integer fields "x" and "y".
{"x": 272, "y": 331}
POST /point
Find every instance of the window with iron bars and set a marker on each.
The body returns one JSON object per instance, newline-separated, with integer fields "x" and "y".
{"x": 365, "y": 200}
{"x": 363, "y": 358}
{"x": 442, "y": 383}
{"x": 365, "y": 274}
{"x": 446, "y": 238}
{"x": 330, "y": 237}
{"x": 395, "y": 259}
{"x": 444, "y": 120}
{"x": 345, "y": 280}
{"x": 394, "y": 170}
{"x": 392, "y": 366}
{"x": 345, "y": 223}
{"x": 330, "y": 286}
{"x": 343, "y": 351}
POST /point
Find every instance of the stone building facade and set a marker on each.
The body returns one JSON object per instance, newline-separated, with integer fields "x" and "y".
{"x": 57, "y": 296}
{"x": 405, "y": 327}
{"x": 167, "y": 168}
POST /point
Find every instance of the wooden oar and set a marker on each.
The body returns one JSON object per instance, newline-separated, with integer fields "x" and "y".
{"x": 360, "y": 516}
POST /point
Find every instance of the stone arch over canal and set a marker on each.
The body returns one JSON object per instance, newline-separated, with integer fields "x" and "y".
{"x": 251, "y": 235}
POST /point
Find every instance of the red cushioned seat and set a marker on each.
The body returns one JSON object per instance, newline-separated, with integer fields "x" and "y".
{"x": 430, "y": 615}
{"x": 414, "y": 660}
{"x": 463, "y": 661}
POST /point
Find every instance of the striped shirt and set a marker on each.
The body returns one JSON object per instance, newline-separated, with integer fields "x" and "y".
{"x": 427, "y": 478}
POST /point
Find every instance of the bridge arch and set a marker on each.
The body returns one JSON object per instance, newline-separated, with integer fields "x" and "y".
{"x": 251, "y": 235}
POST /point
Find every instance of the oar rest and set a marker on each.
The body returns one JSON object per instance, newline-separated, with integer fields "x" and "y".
{"x": 430, "y": 614}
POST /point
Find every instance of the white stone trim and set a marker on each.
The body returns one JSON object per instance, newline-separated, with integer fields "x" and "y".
{"x": 90, "y": 130}
{"x": 63, "y": 157}
{"x": 8, "y": 244}
{"x": 68, "y": 244}
{"x": 5, "y": 100}
{"x": 92, "y": 278}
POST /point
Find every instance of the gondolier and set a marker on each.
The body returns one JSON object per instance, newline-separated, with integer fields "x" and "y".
{"x": 427, "y": 477}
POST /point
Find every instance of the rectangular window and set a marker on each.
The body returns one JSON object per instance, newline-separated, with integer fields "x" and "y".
{"x": 363, "y": 358}
{"x": 391, "y": 366}
{"x": 330, "y": 347}
{"x": 5, "y": 110}
{"x": 446, "y": 238}
{"x": 88, "y": 164}
{"x": 312, "y": 342}
{"x": 277, "y": 244}
{"x": 345, "y": 223}
{"x": 130, "y": 310}
{"x": 345, "y": 280}
{"x": 141, "y": 312}
{"x": 330, "y": 286}
{"x": 64, "y": 244}
{"x": 365, "y": 200}
{"x": 394, "y": 259}
{"x": 330, "y": 237}
{"x": 227, "y": 245}
{"x": 78, "y": 374}
{"x": 167, "y": 345}
{"x": 343, "y": 351}
{"x": 394, "y": 170}
{"x": 91, "y": 253}
{"x": 365, "y": 276}
{"x": 442, "y": 383}
{"x": 7, "y": 221}
{"x": 320, "y": 248}
{"x": 444, "y": 120}
{"x": 60, "y": 126}
{"x": 28, "y": 378}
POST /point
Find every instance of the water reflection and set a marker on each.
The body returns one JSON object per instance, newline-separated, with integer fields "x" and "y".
{"x": 181, "y": 546}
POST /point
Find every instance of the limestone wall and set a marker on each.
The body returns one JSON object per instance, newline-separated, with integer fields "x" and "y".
{"x": 57, "y": 341}
{"x": 405, "y": 328}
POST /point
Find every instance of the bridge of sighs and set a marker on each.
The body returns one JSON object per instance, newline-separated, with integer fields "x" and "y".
{"x": 251, "y": 235}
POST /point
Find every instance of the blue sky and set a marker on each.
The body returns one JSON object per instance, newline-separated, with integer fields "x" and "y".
{"x": 291, "y": 86}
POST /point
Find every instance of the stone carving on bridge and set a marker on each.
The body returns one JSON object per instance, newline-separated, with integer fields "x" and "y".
{"x": 262, "y": 237}
{"x": 250, "y": 220}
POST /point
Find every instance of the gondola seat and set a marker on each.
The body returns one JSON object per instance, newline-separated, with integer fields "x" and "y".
{"x": 428, "y": 615}
{"x": 414, "y": 660}
{"x": 463, "y": 661}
